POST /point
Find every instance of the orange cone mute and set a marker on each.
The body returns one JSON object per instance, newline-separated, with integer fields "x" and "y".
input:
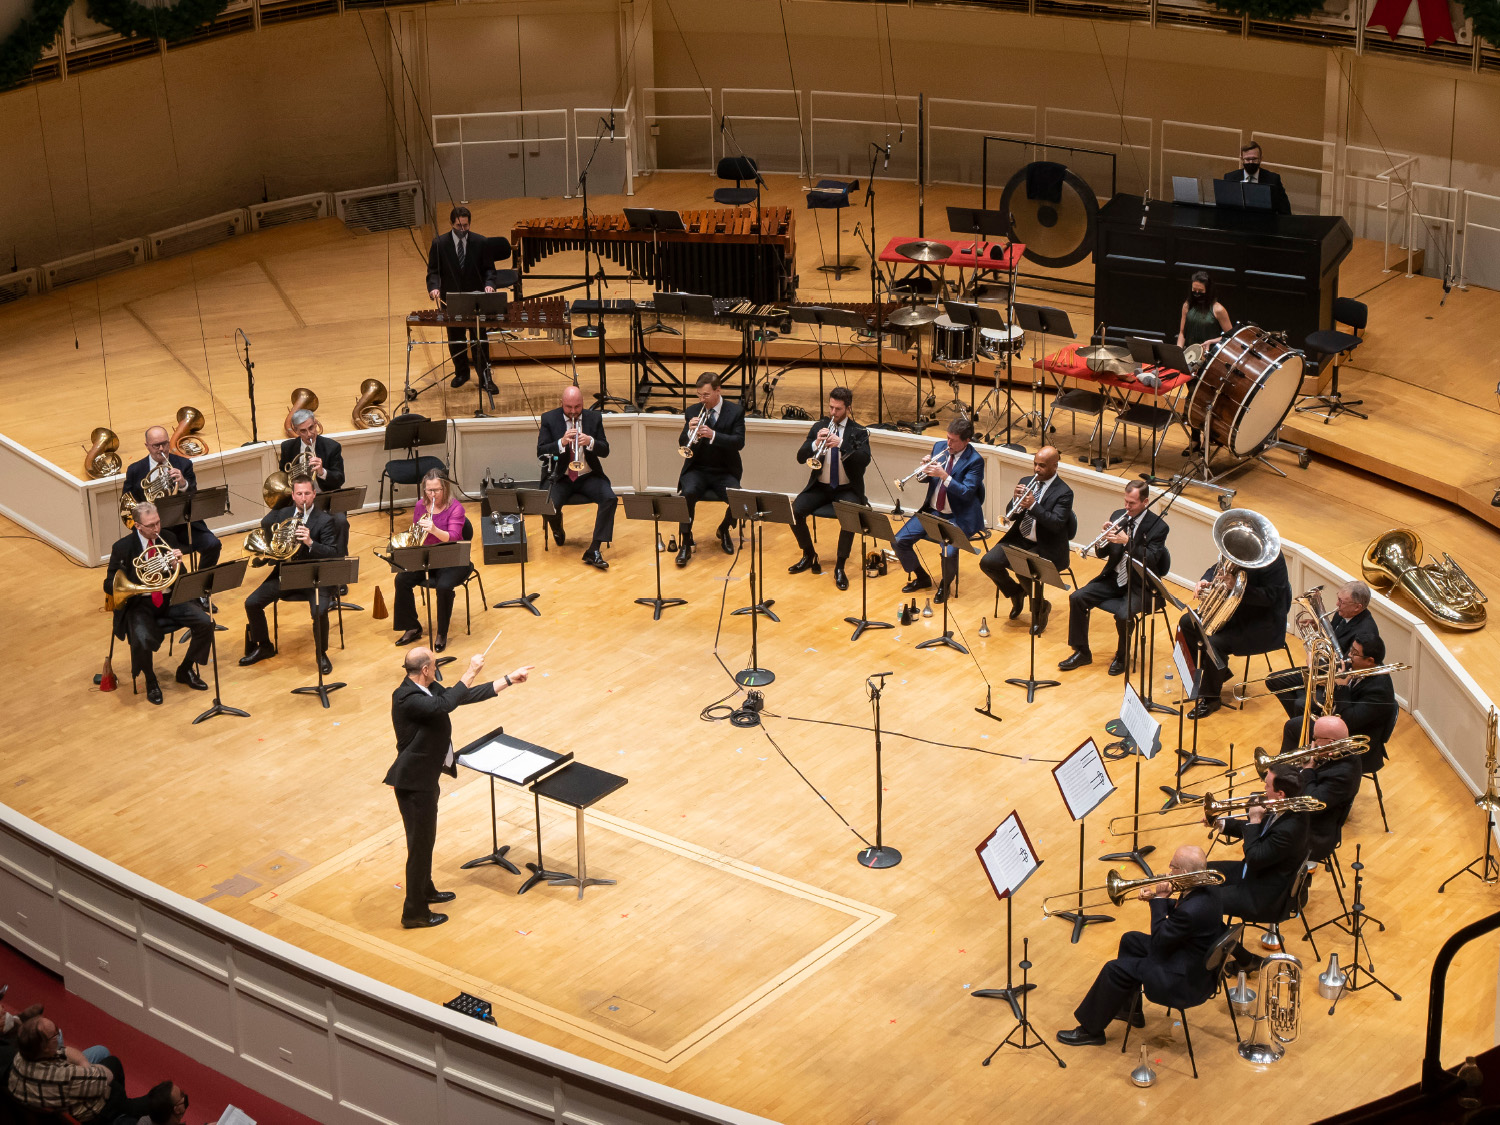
{"x": 379, "y": 613}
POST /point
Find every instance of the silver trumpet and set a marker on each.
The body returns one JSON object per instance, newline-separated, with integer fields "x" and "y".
{"x": 918, "y": 471}
{"x": 1098, "y": 544}
{"x": 820, "y": 447}
{"x": 686, "y": 451}
{"x": 578, "y": 464}
{"x": 1017, "y": 505}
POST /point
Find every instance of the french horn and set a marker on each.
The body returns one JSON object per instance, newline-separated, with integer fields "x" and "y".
{"x": 368, "y": 413}
{"x": 185, "y": 442}
{"x": 101, "y": 460}
{"x": 1440, "y": 587}
{"x": 155, "y": 569}
{"x": 156, "y": 484}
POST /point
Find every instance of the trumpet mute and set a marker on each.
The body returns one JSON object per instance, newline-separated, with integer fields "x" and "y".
{"x": 984, "y": 627}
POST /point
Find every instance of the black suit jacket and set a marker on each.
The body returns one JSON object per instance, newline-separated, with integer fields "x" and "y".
{"x": 480, "y": 255}
{"x": 137, "y": 473}
{"x": 1182, "y": 933}
{"x": 1055, "y": 522}
{"x": 555, "y": 425}
{"x": 1279, "y": 201}
{"x": 1148, "y": 545}
{"x": 320, "y": 525}
{"x": 123, "y": 554}
{"x": 1259, "y": 624}
{"x": 1357, "y": 628}
{"x": 854, "y": 453}
{"x": 1273, "y": 856}
{"x": 1368, "y": 706}
{"x": 326, "y": 448}
{"x": 424, "y": 731}
{"x": 722, "y": 455}
{"x": 1336, "y": 784}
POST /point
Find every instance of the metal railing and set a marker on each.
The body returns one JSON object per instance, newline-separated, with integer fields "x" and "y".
{"x": 475, "y": 136}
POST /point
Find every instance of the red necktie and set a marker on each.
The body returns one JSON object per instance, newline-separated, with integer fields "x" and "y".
{"x": 156, "y": 598}
{"x": 941, "y": 498}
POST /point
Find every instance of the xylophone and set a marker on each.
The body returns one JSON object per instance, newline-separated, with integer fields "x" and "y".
{"x": 546, "y": 314}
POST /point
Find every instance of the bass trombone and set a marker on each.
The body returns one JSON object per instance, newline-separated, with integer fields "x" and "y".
{"x": 1212, "y": 810}
{"x": 1303, "y": 757}
{"x": 1116, "y": 888}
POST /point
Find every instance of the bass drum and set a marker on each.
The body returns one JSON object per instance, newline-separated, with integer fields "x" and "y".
{"x": 1245, "y": 390}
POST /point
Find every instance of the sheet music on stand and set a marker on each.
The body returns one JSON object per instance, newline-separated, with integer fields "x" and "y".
{"x": 509, "y": 759}
{"x": 1007, "y": 856}
{"x": 1083, "y": 780}
{"x": 1144, "y": 731}
{"x": 1187, "y": 667}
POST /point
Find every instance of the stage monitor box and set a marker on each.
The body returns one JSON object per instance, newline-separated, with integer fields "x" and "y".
{"x": 498, "y": 548}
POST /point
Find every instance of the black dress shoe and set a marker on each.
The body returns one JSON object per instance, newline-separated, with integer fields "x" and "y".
{"x": 1039, "y": 626}
{"x": 840, "y": 579}
{"x": 1117, "y": 666}
{"x": 559, "y": 536}
{"x": 409, "y": 636}
{"x": 153, "y": 692}
{"x": 806, "y": 562}
{"x": 439, "y": 643}
{"x": 920, "y": 582}
{"x": 459, "y": 380}
{"x": 441, "y": 896}
{"x": 1078, "y": 1037}
{"x": 257, "y": 654}
{"x": 324, "y": 664}
{"x": 593, "y": 558}
{"x": 726, "y": 540}
{"x": 430, "y": 920}
{"x": 1136, "y": 1018}
{"x": 1077, "y": 659}
{"x": 1017, "y": 604}
{"x": 187, "y": 674}
{"x": 1204, "y": 708}
{"x": 941, "y": 596}
{"x": 684, "y": 553}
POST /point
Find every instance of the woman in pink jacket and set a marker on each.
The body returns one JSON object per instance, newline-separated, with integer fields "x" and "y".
{"x": 443, "y": 518}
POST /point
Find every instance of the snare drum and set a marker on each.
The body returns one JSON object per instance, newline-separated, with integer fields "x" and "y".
{"x": 1245, "y": 390}
{"x": 996, "y": 344}
{"x": 952, "y": 344}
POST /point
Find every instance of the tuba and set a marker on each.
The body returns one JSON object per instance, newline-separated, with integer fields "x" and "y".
{"x": 277, "y": 545}
{"x": 1246, "y": 541}
{"x": 155, "y": 570}
{"x": 302, "y": 399}
{"x": 1279, "y": 1012}
{"x": 156, "y": 484}
{"x": 1441, "y": 588}
{"x": 185, "y": 442}
{"x": 101, "y": 460}
{"x": 368, "y": 414}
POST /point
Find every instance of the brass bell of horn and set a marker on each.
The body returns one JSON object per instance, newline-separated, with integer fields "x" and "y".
{"x": 101, "y": 460}
{"x": 185, "y": 442}
{"x": 368, "y": 414}
{"x": 302, "y": 399}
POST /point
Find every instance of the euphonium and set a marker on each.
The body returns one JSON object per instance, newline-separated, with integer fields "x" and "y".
{"x": 184, "y": 442}
{"x": 1440, "y": 588}
{"x": 1279, "y": 1012}
{"x": 278, "y": 546}
{"x": 157, "y": 483}
{"x": 368, "y": 414}
{"x": 1117, "y": 888}
{"x": 1246, "y": 541}
{"x": 302, "y": 399}
{"x": 155, "y": 570}
{"x": 101, "y": 460}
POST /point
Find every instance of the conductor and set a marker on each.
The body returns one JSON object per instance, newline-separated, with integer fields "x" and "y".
{"x": 420, "y": 710}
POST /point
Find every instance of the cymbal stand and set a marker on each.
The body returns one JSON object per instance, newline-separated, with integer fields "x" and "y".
{"x": 1010, "y": 993}
{"x": 1356, "y": 966}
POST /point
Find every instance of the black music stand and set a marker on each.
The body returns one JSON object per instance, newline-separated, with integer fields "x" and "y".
{"x": 757, "y": 507}
{"x": 407, "y": 434}
{"x": 1044, "y": 320}
{"x": 656, "y": 220}
{"x": 1039, "y": 572}
{"x": 821, "y": 317}
{"x": 947, "y": 534}
{"x": 1164, "y": 357}
{"x": 496, "y": 855}
{"x": 876, "y": 525}
{"x": 200, "y": 504}
{"x": 438, "y": 556}
{"x": 342, "y": 501}
{"x": 1137, "y": 854}
{"x": 577, "y": 786}
{"x": 657, "y": 507}
{"x": 523, "y": 502}
{"x": 477, "y": 305}
{"x": 205, "y": 584}
{"x": 699, "y": 306}
{"x": 313, "y": 575}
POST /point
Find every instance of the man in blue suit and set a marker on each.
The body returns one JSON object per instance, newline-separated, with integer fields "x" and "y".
{"x": 955, "y": 491}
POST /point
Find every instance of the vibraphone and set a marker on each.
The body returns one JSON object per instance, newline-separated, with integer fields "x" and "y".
{"x": 720, "y": 253}
{"x": 546, "y": 314}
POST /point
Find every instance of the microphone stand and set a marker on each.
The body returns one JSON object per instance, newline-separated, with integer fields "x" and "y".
{"x": 591, "y": 330}
{"x": 877, "y": 856}
{"x": 250, "y": 381}
{"x": 878, "y": 311}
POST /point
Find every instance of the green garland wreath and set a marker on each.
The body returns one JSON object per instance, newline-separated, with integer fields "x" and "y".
{"x": 171, "y": 24}
{"x": 1486, "y": 17}
{"x": 23, "y": 47}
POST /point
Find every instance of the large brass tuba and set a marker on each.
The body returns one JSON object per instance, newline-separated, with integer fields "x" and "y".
{"x": 1278, "y": 1016}
{"x": 277, "y": 546}
{"x": 155, "y": 570}
{"x": 1246, "y": 541}
{"x": 157, "y": 483}
{"x": 302, "y": 399}
{"x": 185, "y": 442}
{"x": 1440, "y": 587}
{"x": 101, "y": 460}
{"x": 368, "y": 414}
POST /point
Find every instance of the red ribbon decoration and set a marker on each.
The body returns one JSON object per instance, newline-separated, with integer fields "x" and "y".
{"x": 1437, "y": 23}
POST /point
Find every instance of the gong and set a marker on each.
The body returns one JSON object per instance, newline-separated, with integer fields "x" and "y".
{"x": 1055, "y": 233}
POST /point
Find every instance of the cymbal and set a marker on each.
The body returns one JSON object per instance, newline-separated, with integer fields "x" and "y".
{"x": 914, "y": 316}
{"x": 924, "y": 251}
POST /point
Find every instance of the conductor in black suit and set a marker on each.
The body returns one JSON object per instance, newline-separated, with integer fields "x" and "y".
{"x": 714, "y": 431}
{"x": 1043, "y": 526}
{"x": 326, "y": 459}
{"x": 1133, "y": 533}
{"x": 202, "y": 542}
{"x": 1170, "y": 961}
{"x": 1250, "y": 171}
{"x": 1275, "y": 846}
{"x": 420, "y": 710}
{"x": 463, "y": 261}
{"x": 317, "y": 539}
{"x": 841, "y": 476}
{"x": 555, "y": 440}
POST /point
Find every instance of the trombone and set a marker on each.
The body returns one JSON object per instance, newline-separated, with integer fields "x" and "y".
{"x": 1243, "y": 691}
{"x": 1303, "y": 757}
{"x": 1212, "y": 810}
{"x": 1117, "y": 888}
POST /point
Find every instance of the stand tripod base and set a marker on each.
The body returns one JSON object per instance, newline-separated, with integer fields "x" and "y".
{"x": 525, "y": 600}
{"x": 1191, "y": 758}
{"x": 945, "y": 639}
{"x": 1136, "y": 856}
{"x": 880, "y": 857}
{"x": 1177, "y": 797}
{"x": 320, "y": 690}
{"x": 1011, "y": 995}
{"x": 589, "y": 331}
{"x": 1080, "y": 921}
{"x": 1034, "y": 686}
{"x": 220, "y": 709}
{"x": 1335, "y": 405}
{"x": 762, "y": 608}
{"x": 1489, "y": 876}
{"x": 496, "y": 857}
{"x": 861, "y": 624}
{"x": 540, "y": 874}
{"x": 754, "y": 677}
{"x": 659, "y": 604}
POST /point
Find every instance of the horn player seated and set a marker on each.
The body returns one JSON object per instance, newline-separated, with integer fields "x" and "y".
{"x": 1169, "y": 961}
{"x": 145, "y": 619}
{"x": 317, "y": 538}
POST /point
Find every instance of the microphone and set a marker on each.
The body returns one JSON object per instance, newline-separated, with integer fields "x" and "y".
{"x": 610, "y": 124}
{"x": 901, "y": 135}
{"x": 887, "y": 163}
{"x": 1447, "y": 286}
{"x": 1145, "y": 207}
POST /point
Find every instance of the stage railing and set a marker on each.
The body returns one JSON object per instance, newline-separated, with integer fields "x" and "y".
{"x": 462, "y": 140}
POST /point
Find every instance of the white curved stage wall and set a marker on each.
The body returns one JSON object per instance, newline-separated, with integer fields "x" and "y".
{"x": 316, "y": 1035}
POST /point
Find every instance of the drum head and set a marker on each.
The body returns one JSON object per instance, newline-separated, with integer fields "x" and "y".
{"x": 1267, "y": 407}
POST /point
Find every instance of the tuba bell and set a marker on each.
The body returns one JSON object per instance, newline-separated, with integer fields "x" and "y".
{"x": 101, "y": 460}
{"x": 302, "y": 399}
{"x": 1246, "y": 541}
{"x": 368, "y": 414}
{"x": 1441, "y": 588}
{"x": 185, "y": 442}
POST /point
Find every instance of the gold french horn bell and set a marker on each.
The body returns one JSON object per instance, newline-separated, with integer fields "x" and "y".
{"x": 101, "y": 460}
{"x": 185, "y": 442}
{"x": 368, "y": 414}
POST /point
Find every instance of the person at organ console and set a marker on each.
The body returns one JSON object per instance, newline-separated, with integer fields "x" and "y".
{"x": 1250, "y": 171}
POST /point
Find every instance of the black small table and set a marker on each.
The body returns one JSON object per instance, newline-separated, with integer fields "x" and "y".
{"x": 580, "y": 786}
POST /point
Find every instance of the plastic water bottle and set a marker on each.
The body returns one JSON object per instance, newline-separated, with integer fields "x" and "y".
{"x": 1169, "y": 684}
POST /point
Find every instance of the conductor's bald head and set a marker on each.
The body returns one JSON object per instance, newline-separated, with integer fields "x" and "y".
{"x": 416, "y": 659}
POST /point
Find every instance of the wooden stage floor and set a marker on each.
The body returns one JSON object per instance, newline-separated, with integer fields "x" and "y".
{"x": 744, "y": 955}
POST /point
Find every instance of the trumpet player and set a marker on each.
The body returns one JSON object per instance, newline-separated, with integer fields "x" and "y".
{"x": 440, "y": 516}
{"x": 1169, "y": 960}
{"x": 841, "y": 446}
{"x": 324, "y": 459}
{"x": 317, "y": 540}
{"x": 954, "y": 472}
{"x": 145, "y": 619}
{"x": 159, "y": 458}
{"x": 1130, "y": 533}
{"x": 1275, "y": 844}
{"x": 1044, "y": 522}
{"x": 1365, "y": 705}
{"x": 571, "y": 436}
{"x": 713, "y": 433}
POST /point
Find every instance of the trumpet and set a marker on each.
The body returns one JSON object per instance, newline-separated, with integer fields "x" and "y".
{"x": 820, "y": 447}
{"x": 927, "y": 462}
{"x": 157, "y": 483}
{"x": 1213, "y": 810}
{"x": 1117, "y": 888}
{"x": 1017, "y": 505}
{"x": 577, "y": 465}
{"x": 1303, "y": 757}
{"x": 1097, "y": 545}
{"x": 686, "y": 451}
